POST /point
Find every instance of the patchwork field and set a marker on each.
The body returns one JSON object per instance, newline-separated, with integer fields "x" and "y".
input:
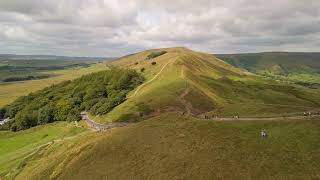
{"x": 11, "y": 91}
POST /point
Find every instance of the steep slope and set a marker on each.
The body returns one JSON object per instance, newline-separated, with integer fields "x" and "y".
{"x": 198, "y": 83}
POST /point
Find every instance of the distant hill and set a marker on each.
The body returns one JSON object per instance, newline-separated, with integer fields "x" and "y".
{"x": 296, "y": 66}
{"x": 50, "y": 57}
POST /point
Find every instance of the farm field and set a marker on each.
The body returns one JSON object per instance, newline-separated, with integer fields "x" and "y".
{"x": 11, "y": 91}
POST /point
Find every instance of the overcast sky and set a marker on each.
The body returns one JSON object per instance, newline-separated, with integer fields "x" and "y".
{"x": 114, "y": 28}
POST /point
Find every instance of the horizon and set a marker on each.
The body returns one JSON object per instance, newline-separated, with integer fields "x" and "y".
{"x": 259, "y": 52}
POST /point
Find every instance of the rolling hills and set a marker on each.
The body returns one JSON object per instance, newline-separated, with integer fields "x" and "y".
{"x": 169, "y": 138}
{"x": 292, "y": 66}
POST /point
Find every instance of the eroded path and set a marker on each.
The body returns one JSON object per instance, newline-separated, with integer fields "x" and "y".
{"x": 94, "y": 125}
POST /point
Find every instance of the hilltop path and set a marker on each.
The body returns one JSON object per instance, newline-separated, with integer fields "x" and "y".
{"x": 151, "y": 80}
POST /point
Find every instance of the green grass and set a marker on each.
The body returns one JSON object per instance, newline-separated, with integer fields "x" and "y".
{"x": 215, "y": 88}
{"x": 175, "y": 147}
{"x": 15, "y": 147}
{"x": 11, "y": 91}
{"x": 171, "y": 146}
{"x": 288, "y": 66}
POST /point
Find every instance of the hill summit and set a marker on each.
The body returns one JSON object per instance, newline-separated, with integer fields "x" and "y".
{"x": 179, "y": 79}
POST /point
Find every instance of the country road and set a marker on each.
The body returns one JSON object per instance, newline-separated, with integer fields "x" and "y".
{"x": 94, "y": 125}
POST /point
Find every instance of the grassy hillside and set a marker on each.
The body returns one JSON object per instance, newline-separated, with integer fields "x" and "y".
{"x": 15, "y": 148}
{"x": 170, "y": 141}
{"x": 299, "y": 67}
{"x": 199, "y": 83}
{"x": 174, "y": 147}
{"x": 11, "y": 91}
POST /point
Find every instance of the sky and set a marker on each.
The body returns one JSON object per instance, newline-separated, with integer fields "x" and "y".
{"x": 119, "y": 27}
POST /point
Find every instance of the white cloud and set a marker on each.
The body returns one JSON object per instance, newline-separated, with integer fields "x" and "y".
{"x": 117, "y": 27}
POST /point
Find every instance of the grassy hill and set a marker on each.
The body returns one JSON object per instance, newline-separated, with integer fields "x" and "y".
{"x": 199, "y": 83}
{"x": 15, "y": 148}
{"x": 175, "y": 147}
{"x": 169, "y": 140}
{"x": 294, "y": 66}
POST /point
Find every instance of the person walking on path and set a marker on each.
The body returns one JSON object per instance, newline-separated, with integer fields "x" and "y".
{"x": 263, "y": 133}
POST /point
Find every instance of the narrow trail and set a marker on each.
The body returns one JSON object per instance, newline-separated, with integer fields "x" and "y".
{"x": 182, "y": 99}
{"x": 94, "y": 125}
{"x": 188, "y": 106}
{"x": 151, "y": 80}
{"x": 265, "y": 118}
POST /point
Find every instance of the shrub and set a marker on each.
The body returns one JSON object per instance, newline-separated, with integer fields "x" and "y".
{"x": 2, "y": 113}
{"x": 45, "y": 114}
{"x": 155, "y": 54}
{"x": 154, "y": 63}
{"x": 142, "y": 69}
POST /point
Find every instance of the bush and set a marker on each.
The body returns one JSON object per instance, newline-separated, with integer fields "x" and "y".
{"x": 2, "y": 113}
{"x": 155, "y": 54}
{"x": 142, "y": 69}
{"x": 144, "y": 109}
{"x": 45, "y": 114}
{"x": 154, "y": 63}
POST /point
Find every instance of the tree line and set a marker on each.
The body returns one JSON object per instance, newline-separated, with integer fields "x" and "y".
{"x": 97, "y": 93}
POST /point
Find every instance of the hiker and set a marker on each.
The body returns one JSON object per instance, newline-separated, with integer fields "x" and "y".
{"x": 263, "y": 133}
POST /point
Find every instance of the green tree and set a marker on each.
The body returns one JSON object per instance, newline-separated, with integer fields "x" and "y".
{"x": 45, "y": 114}
{"x": 2, "y": 113}
{"x": 74, "y": 115}
{"x": 26, "y": 119}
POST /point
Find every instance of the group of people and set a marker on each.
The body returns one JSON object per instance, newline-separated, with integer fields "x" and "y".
{"x": 311, "y": 113}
